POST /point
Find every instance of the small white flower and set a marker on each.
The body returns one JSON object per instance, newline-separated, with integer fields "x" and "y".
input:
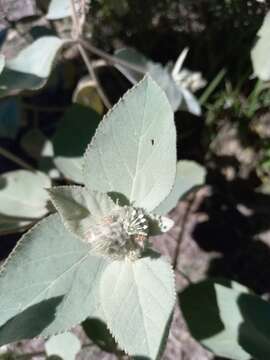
{"x": 122, "y": 234}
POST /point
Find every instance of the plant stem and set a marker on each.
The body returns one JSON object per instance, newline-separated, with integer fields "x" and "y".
{"x": 75, "y": 20}
{"x": 92, "y": 73}
{"x": 111, "y": 59}
{"x": 15, "y": 159}
{"x": 212, "y": 87}
{"x": 85, "y": 58}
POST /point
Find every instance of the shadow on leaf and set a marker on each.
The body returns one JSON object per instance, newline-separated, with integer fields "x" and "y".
{"x": 31, "y": 322}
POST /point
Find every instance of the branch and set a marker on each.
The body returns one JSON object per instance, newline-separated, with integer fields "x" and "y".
{"x": 92, "y": 73}
{"x": 111, "y": 59}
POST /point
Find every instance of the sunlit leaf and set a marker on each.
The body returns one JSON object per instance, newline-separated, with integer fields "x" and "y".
{"x": 30, "y": 69}
{"x": 260, "y": 54}
{"x": 137, "y": 299}
{"x": 50, "y": 282}
{"x": 133, "y": 151}
{"x": 229, "y": 321}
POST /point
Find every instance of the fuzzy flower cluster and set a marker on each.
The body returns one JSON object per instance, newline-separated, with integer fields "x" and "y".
{"x": 122, "y": 234}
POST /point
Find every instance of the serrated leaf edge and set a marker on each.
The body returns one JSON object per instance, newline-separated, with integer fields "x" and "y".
{"x": 105, "y": 118}
{"x": 12, "y": 254}
{"x": 161, "y": 350}
{"x": 19, "y": 244}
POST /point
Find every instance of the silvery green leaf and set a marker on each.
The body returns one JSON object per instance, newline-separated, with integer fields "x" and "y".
{"x": 2, "y": 63}
{"x": 137, "y": 299}
{"x": 260, "y": 53}
{"x": 59, "y": 9}
{"x": 74, "y": 133}
{"x": 190, "y": 102}
{"x": 188, "y": 175}
{"x": 134, "y": 57}
{"x": 230, "y": 322}
{"x": 30, "y": 69}
{"x": 80, "y": 208}
{"x": 178, "y": 96}
{"x": 66, "y": 346}
{"x": 165, "y": 80}
{"x": 134, "y": 149}
{"x": 23, "y": 194}
{"x": 49, "y": 283}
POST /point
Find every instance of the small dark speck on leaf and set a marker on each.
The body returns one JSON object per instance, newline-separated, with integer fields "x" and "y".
{"x": 152, "y": 141}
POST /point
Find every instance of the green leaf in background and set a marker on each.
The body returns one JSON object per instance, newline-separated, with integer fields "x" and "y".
{"x": 72, "y": 137}
{"x": 30, "y": 69}
{"x": 86, "y": 94}
{"x": 80, "y": 208}
{"x": 50, "y": 282}
{"x": 188, "y": 175}
{"x": 158, "y": 73}
{"x": 137, "y": 299}
{"x": 59, "y": 9}
{"x": 12, "y": 225}
{"x": 10, "y": 114}
{"x": 33, "y": 143}
{"x": 133, "y": 151}
{"x": 178, "y": 95}
{"x": 66, "y": 345}
{"x": 260, "y": 53}
{"x": 228, "y": 321}
{"x": 134, "y": 57}
{"x": 97, "y": 331}
{"x": 23, "y": 194}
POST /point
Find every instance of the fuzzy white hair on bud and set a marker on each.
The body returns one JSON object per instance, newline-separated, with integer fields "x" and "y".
{"x": 122, "y": 234}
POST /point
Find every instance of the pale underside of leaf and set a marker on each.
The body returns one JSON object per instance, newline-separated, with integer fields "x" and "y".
{"x": 30, "y": 69}
{"x": 134, "y": 149}
{"x": 137, "y": 299}
{"x": 49, "y": 283}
